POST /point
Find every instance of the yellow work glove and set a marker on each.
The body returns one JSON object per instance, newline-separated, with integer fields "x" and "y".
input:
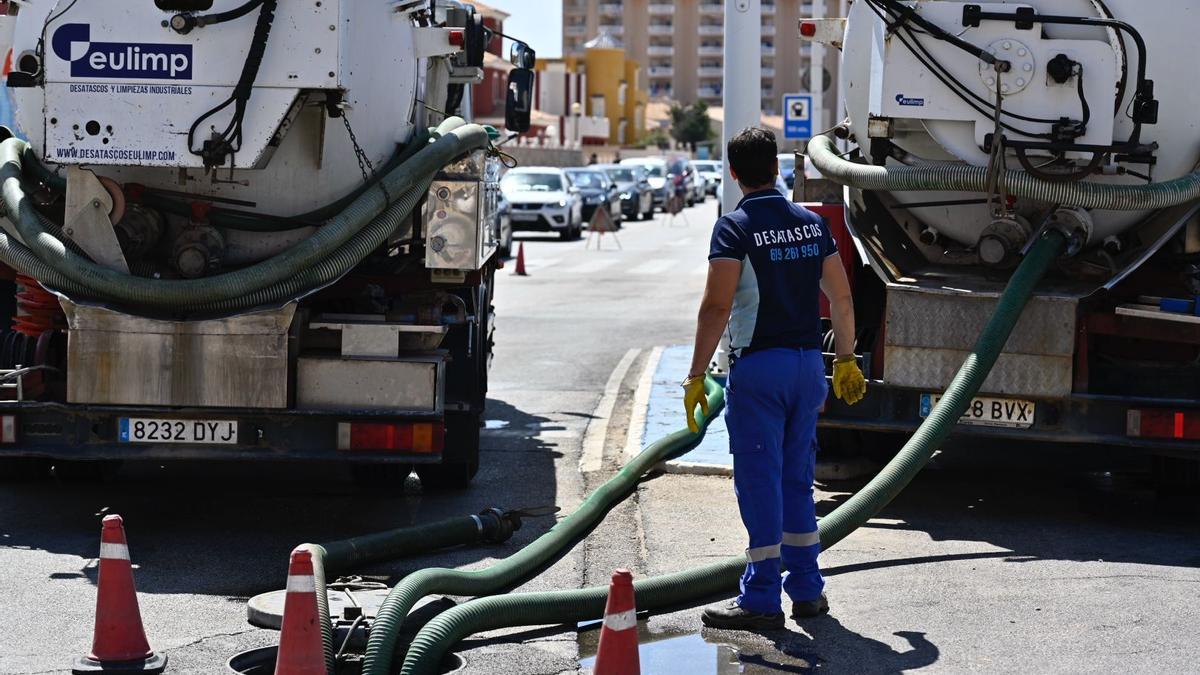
{"x": 693, "y": 394}
{"x": 848, "y": 381}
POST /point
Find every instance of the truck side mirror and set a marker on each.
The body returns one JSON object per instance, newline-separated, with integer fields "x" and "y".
{"x": 519, "y": 106}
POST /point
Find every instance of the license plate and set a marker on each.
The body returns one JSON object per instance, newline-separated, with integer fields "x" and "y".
{"x": 207, "y": 432}
{"x": 989, "y": 412}
{"x": 524, "y": 216}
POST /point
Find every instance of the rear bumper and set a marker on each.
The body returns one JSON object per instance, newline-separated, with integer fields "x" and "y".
{"x": 1077, "y": 419}
{"x": 71, "y": 432}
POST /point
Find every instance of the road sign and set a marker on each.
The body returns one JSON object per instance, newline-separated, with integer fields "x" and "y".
{"x": 798, "y": 116}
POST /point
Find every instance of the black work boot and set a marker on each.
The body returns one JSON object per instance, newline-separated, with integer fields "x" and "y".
{"x": 807, "y": 609}
{"x": 730, "y": 616}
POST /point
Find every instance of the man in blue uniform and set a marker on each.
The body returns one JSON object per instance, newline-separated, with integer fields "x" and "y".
{"x": 769, "y": 259}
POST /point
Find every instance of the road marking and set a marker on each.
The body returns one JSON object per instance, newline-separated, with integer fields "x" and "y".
{"x": 641, "y": 403}
{"x": 654, "y": 267}
{"x": 593, "y": 266}
{"x": 592, "y": 457}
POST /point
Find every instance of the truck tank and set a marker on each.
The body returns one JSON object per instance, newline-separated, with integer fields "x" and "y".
{"x": 969, "y": 128}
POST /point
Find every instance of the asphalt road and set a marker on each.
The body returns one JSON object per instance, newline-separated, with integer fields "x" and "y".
{"x": 1005, "y": 568}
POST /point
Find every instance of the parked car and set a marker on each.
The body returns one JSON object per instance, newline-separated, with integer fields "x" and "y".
{"x": 597, "y": 190}
{"x": 680, "y": 172}
{"x": 656, "y": 175}
{"x": 787, "y": 168}
{"x": 504, "y": 228}
{"x": 543, "y": 199}
{"x": 712, "y": 170}
{"x": 699, "y": 184}
{"x": 637, "y": 197}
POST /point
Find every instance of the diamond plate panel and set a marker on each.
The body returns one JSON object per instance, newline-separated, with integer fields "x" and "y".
{"x": 1025, "y": 375}
{"x": 952, "y": 319}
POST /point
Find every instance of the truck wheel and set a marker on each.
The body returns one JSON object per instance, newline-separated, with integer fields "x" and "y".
{"x": 460, "y": 460}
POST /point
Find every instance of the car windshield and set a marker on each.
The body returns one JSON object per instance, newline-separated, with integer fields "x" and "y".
{"x": 655, "y": 170}
{"x": 586, "y": 179}
{"x": 532, "y": 182}
{"x": 707, "y": 166}
{"x": 622, "y": 175}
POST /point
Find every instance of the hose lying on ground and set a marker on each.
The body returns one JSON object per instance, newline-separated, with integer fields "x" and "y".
{"x": 701, "y": 583}
{"x": 45, "y": 257}
{"x": 942, "y": 176}
{"x": 523, "y": 564}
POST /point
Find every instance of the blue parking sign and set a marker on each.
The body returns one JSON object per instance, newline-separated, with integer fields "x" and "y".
{"x": 797, "y": 116}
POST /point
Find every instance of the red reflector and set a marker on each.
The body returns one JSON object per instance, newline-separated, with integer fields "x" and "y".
{"x": 457, "y": 38}
{"x": 808, "y": 28}
{"x": 8, "y": 429}
{"x": 1172, "y": 424}
{"x": 427, "y": 437}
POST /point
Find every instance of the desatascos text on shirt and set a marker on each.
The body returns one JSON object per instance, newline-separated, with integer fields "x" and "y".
{"x": 782, "y": 247}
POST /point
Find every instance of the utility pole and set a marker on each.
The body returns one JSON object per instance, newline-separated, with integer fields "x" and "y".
{"x": 741, "y": 89}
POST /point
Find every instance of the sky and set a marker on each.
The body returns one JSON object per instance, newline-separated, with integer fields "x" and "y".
{"x": 538, "y": 22}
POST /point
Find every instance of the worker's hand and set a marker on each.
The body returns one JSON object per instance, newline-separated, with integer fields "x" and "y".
{"x": 848, "y": 381}
{"x": 693, "y": 393}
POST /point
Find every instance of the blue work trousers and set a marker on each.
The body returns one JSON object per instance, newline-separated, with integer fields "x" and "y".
{"x": 772, "y": 400}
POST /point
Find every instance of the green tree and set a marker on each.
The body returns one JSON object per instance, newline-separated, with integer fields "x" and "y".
{"x": 690, "y": 124}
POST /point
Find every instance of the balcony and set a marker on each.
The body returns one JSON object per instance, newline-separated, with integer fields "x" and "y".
{"x": 710, "y": 71}
{"x": 711, "y": 29}
{"x": 660, "y": 72}
{"x": 711, "y": 50}
{"x": 768, "y": 72}
{"x": 768, "y": 50}
{"x": 710, "y": 92}
{"x": 660, "y": 50}
{"x": 575, "y": 30}
{"x": 612, "y": 28}
{"x": 662, "y": 8}
{"x": 709, "y": 7}
{"x": 768, "y": 29}
{"x": 661, "y": 29}
{"x": 807, "y": 10}
{"x": 611, "y": 9}
{"x": 768, "y": 9}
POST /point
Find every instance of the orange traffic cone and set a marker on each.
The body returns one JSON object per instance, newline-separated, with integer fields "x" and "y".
{"x": 618, "y": 651}
{"x": 119, "y": 643}
{"x": 301, "y": 650}
{"x": 520, "y": 271}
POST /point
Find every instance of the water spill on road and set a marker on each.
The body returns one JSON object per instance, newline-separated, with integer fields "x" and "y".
{"x": 695, "y": 655}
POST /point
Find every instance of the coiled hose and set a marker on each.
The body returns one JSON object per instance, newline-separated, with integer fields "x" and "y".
{"x": 46, "y": 258}
{"x": 700, "y": 583}
{"x": 968, "y": 178}
{"x": 526, "y": 562}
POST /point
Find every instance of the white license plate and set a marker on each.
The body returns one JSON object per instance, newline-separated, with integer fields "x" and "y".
{"x": 207, "y": 432}
{"x": 989, "y": 412}
{"x": 524, "y": 216}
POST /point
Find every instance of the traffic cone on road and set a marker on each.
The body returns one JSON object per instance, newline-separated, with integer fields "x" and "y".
{"x": 520, "y": 271}
{"x": 618, "y": 651}
{"x": 119, "y": 643}
{"x": 301, "y": 650}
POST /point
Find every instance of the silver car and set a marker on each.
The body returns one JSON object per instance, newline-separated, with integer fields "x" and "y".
{"x": 543, "y": 199}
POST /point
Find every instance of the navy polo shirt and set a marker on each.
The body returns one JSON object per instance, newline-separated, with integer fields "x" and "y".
{"x": 782, "y": 247}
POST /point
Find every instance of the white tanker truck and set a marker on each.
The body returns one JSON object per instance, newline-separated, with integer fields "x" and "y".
{"x": 971, "y": 127}
{"x": 251, "y": 230}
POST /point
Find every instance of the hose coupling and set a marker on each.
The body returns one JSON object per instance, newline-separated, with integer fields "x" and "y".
{"x": 498, "y": 525}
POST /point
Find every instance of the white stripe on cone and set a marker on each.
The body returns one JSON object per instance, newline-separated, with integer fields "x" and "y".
{"x": 114, "y": 551}
{"x": 621, "y": 620}
{"x": 303, "y": 583}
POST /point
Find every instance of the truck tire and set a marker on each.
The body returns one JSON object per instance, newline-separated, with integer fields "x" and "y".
{"x": 460, "y": 459}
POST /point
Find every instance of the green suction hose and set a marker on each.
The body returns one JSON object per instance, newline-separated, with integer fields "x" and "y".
{"x": 45, "y": 257}
{"x": 526, "y": 562}
{"x": 700, "y": 583}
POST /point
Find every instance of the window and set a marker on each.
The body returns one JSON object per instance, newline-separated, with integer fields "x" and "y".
{"x": 621, "y": 93}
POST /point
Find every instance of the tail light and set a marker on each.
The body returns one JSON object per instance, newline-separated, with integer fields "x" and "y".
{"x": 423, "y": 437}
{"x": 1172, "y": 424}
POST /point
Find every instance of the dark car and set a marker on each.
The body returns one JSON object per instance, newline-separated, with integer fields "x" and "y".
{"x": 597, "y": 190}
{"x": 633, "y": 188}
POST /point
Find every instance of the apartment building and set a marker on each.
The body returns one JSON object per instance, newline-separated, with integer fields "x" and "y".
{"x": 682, "y": 43}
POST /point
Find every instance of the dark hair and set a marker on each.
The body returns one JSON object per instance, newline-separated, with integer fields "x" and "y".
{"x": 751, "y": 155}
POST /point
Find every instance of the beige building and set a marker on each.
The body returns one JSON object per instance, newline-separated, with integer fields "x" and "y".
{"x": 682, "y": 41}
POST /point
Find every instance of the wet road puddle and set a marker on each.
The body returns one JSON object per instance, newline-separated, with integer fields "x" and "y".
{"x": 662, "y": 653}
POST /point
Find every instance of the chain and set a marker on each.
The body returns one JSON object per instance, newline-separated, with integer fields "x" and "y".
{"x": 364, "y": 163}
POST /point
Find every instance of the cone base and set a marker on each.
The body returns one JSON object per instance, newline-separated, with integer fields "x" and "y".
{"x": 155, "y": 663}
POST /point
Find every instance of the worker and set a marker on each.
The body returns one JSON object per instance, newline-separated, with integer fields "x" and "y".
{"x": 767, "y": 262}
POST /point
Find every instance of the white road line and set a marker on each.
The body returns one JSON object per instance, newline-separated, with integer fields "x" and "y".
{"x": 654, "y": 267}
{"x": 592, "y": 456}
{"x": 641, "y": 403}
{"x": 592, "y": 266}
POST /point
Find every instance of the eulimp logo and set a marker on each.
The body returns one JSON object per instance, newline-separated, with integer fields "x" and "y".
{"x": 904, "y": 100}
{"x": 124, "y": 60}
